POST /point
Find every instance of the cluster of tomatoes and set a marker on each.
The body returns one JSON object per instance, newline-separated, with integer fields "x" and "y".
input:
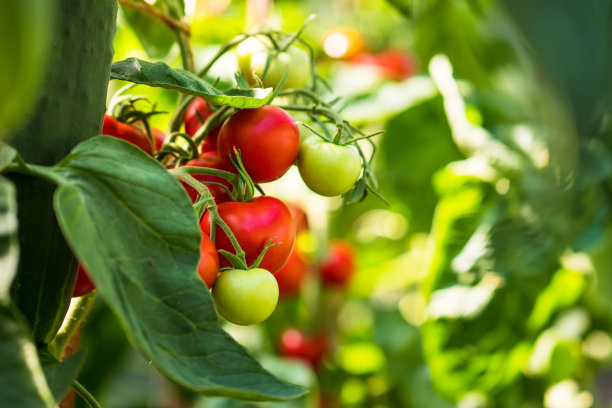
{"x": 263, "y": 142}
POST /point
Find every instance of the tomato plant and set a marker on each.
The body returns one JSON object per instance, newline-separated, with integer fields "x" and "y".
{"x": 254, "y": 223}
{"x": 339, "y": 264}
{"x": 210, "y": 160}
{"x": 328, "y": 169}
{"x": 267, "y": 138}
{"x": 197, "y": 112}
{"x": 208, "y": 266}
{"x": 245, "y": 296}
{"x": 83, "y": 284}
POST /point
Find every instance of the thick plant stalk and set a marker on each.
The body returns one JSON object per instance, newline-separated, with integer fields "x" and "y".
{"x": 70, "y": 110}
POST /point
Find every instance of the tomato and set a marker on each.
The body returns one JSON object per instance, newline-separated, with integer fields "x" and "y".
{"x": 338, "y": 266}
{"x": 342, "y": 42}
{"x": 245, "y": 296}
{"x": 192, "y": 121}
{"x": 253, "y": 224}
{"x": 244, "y": 53}
{"x": 328, "y": 169}
{"x": 294, "y": 61}
{"x": 393, "y": 64}
{"x": 208, "y": 266}
{"x": 83, "y": 284}
{"x": 291, "y": 275}
{"x": 129, "y": 133}
{"x": 213, "y": 161}
{"x": 267, "y": 137}
{"x": 159, "y": 137}
{"x": 296, "y": 344}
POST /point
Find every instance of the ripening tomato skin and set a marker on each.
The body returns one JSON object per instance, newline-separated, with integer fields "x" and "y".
{"x": 296, "y": 344}
{"x": 392, "y": 63}
{"x": 267, "y": 137}
{"x": 159, "y": 137}
{"x": 299, "y": 216}
{"x": 208, "y": 266}
{"x": 338, "y": 266}
{"x": 294, "y": 61}
{"x": 245, "y": 297}
{"x": 291, "y": 275}
{"x": 113, "y": 127}
{"x": 253, "y": 224}
{"x": 213, "y": 161}
{"x": 83, "y": 284}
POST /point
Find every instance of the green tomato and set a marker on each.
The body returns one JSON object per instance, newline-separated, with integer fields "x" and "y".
{"x": 294, "y": 61}
{"x": 328, "y": 169}
{"x": 245, "y": 296}
{"x": 244, "y": 53}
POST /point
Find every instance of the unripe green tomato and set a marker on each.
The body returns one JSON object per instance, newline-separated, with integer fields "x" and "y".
{"x": 328, "y": 169}
{"x": 244, "y": 53}
{"x": 294, "y": 61}
{"x": 245, "y": 296}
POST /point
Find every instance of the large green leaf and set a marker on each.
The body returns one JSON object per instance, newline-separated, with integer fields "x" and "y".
{"x": 9, "y": 249}
{"x": 22, "y": 382}
{"x": 161, "y": 75}
{"x": 132, "y": 225}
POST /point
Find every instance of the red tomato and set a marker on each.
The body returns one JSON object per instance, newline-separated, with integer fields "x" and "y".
{"x": 83, "y": 284}
{"x": 393, "y": 64}
{"x": 208, "y": 266}
{"x": 253, "y": 224}
{"x": 338, "y": 266}
{"x": 113, "y": 127}
{"x": 293, "y": 343}
{"x": 210, "y": 160}
{"x": 192, "y": 121}
{"x": 291, "y": 275}
{"x": 267, "y": 138}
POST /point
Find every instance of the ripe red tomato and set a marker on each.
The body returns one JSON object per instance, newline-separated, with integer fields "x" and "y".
{"x": 291, "y": 275}
{"x": 213, "y": 161}
{"x": 158, "y": 138}
{"x": 338, "y": 266}
{"x": 267, "y": 138}
{"x": 208, "y": 266}
{"x": 253, "y": 224}
{"x": 83, "y": 284}
{"x": 193, "y": 123}
{"x": 129, "y": 133}
{"x": 295, "y": 344}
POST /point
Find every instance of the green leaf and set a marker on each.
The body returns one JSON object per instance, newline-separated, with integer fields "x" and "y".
{"x": 133, "y": 226}
{"x": 161, "y": 75}
{"x": 9, "y": 248}
{"x": 61, "y": 374}
{"x": 22, "y": 382}
{"x": 154, "y": 36}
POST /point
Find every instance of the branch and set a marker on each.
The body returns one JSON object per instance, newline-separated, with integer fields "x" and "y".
{"x": 172, "y": 23}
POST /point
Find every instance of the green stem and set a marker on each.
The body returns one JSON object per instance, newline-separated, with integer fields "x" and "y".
{"x": 225, "y": 48}
{"x": 314, "y": 109}
{"x": 44, "y": 172}
{"x": 213, "y": 121}
{"x": 79, "y": 308}
{"x": 85, "y": 394}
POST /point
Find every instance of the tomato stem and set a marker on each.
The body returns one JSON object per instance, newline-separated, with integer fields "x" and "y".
{"x": 85, "y": 394}
{"x": 213, "y": 121}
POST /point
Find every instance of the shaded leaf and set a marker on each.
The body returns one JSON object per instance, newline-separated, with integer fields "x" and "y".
{"x": 154, "y": 36}
{"x": 144, "y": 264}
{"x": 22, "y": 382}
{"x": 161, "y": 75}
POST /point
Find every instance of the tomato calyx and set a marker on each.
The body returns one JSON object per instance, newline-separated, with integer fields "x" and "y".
{"x": 240, "y": 263}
